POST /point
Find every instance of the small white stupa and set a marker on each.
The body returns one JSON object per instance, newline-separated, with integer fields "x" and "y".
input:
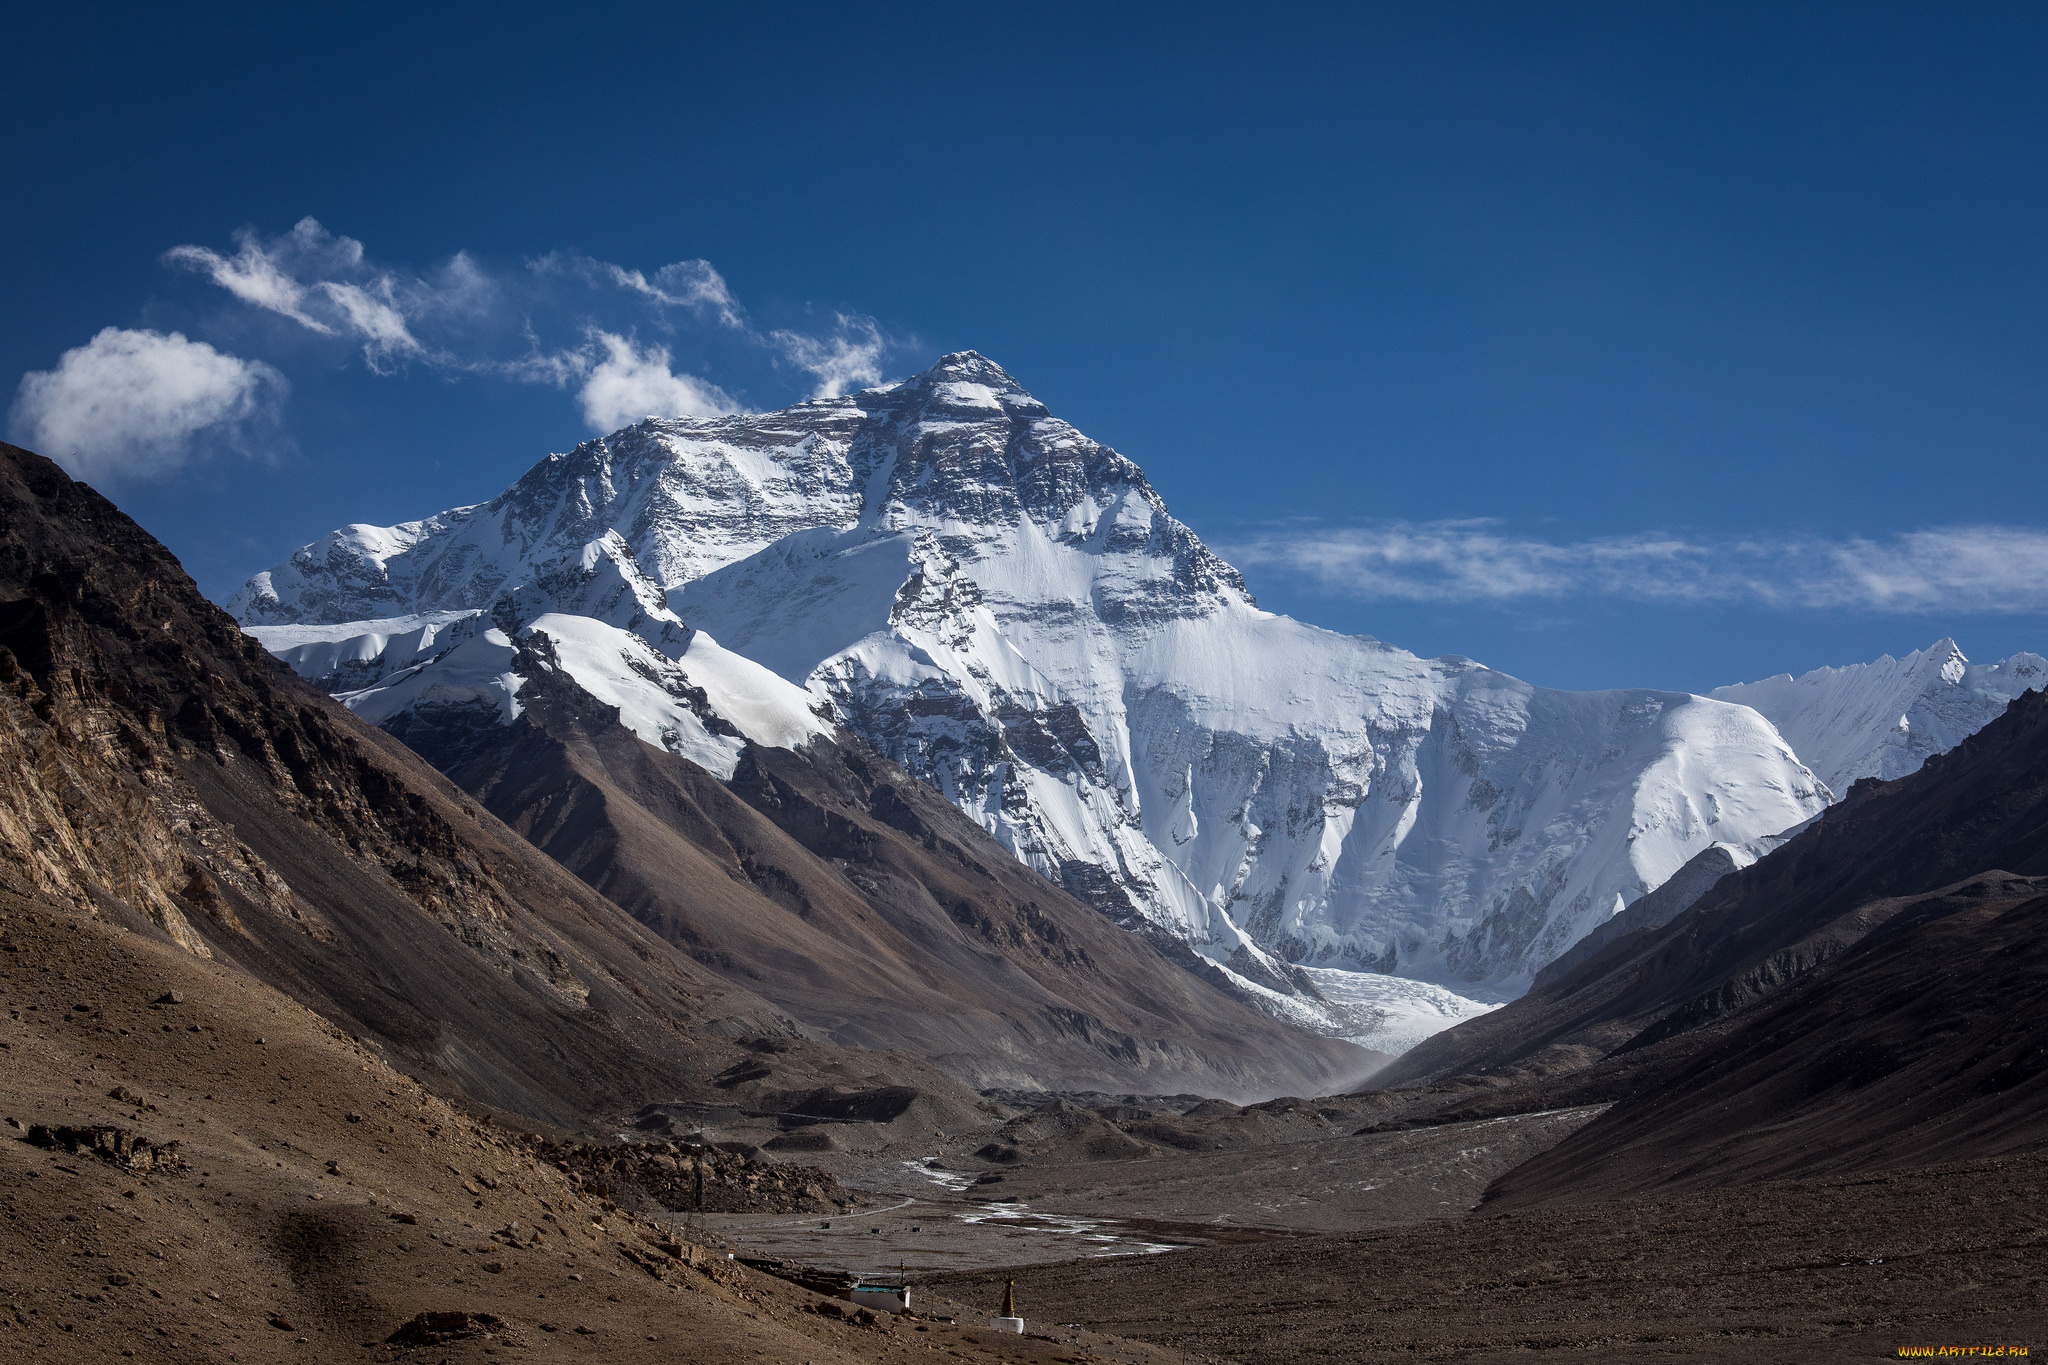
{"x": 1008, "y": 1321}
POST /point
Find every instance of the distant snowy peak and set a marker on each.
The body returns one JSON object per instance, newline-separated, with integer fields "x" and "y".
{"x": 1884, "y": 719}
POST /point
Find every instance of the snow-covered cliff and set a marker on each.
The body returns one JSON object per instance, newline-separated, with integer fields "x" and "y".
{"x": 1009, "y": 611}
{"x": 1884, "y": 719}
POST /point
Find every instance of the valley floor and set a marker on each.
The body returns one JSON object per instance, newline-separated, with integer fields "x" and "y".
{"x": 934, "y": 1215}
{"x": 323, "y": 1200}
{"x": 1853, "y": 1268}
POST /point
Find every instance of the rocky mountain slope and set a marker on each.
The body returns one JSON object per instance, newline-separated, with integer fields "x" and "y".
{"x": 1877, "y": 1063}
{"x": 1885, "y": 719}
{"x": 1007, "y": 610}
{"x": 168, "y": 774}
{"x": 173, "y": 769}
{"x": 861, "y": 903}
{"x": 198, "y": 1168}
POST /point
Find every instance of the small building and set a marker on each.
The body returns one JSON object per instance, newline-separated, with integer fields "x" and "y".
{"x": 889, "y": 1298}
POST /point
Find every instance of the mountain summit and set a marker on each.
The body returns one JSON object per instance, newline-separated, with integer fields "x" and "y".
{"x": 669, "y": 500}
{"x": 1008, "y": 610}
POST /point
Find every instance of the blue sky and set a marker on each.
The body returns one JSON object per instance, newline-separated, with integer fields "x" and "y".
{"x": 1608, "y": 344}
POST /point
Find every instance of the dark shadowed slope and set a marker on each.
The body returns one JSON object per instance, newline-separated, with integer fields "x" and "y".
{"x": 869, "y": 908}
{"x": 1873, "y": 996}
{"x": 1926, "y": 1043}
{"x": 164, "y": 771}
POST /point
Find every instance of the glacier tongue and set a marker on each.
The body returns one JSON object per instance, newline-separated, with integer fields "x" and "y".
{"x": 1389, "y": 1013}
{"x": 1884, "y": 719}
{"x": 1007, "y": 609}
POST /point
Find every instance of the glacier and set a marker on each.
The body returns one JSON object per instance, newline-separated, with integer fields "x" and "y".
{"x": 1007, "y": 609}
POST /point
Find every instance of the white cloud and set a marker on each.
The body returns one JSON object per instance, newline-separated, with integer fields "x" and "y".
{"x": 563, "y": 310}
{"x": 375, "y": 318}
{"x": 685, "y": 284}
{"x": 851, "y": 358}
{"x": 627, "y": 384}
{"x": 1955, "y": 568}
{"x": 323, "y": 283}
{"x": 252, "y": 275}
{"x": 1948, "y": 569}
{"x": 136, "y": 403}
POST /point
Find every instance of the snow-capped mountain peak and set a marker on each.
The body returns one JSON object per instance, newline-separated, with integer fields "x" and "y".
{"x": 1008, "y": 609}
{"x": 970, "y": 384}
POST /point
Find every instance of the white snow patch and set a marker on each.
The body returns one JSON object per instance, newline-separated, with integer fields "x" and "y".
{"x": 652, "y": 691}
{"x": 1393, "y": 1013}
{"x": 447, "y": 658}
{"x": 356, "y": 634}
{"x": 766, "y": 709}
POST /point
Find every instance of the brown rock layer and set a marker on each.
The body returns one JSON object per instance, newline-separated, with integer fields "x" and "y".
{"x": 864, "y": 905}
{"x": 168, "y": 774}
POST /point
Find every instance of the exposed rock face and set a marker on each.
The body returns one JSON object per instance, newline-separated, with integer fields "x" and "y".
{"x": 1007, "y": 610}
{"x": 436, "y": 1328}
{"x": 122, "y": 1146}
{"x": 693, "y": 1178}
{"x": 169, "y": 775}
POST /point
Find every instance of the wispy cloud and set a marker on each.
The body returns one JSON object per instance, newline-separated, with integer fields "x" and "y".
{"x": 326, "y": 285}
{"x": 847, "y": 358}
{"x": 140, "y": 404}
{"x": 2001, "y": 569}
{"x": 694, "y": 285}
{"x": 851, "y": 358}
{"x": 561, "y": 309}
{"x": 254, "y": 275}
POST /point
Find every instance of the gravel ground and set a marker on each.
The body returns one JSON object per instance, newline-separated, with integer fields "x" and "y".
{"x": 922, "y": 1219}
{"x": 1841, "y": 1269}
{"x": 316, "y": 1201}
